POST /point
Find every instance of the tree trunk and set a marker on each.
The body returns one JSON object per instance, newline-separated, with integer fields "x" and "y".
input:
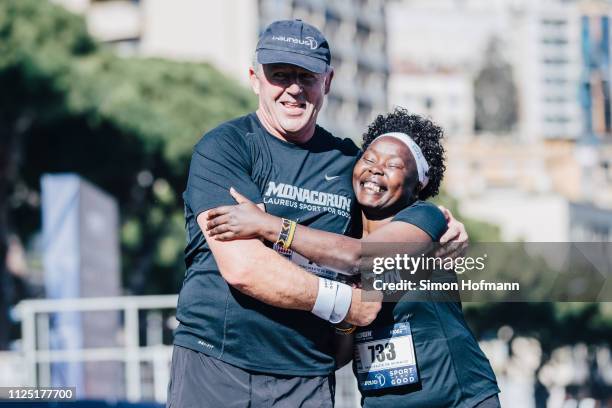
{"x": 5, "y": 148}
{"x": 5, "y": 324}
{"x": 10, "y": 158}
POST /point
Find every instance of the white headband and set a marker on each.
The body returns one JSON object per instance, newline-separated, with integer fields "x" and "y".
{"x": 417, "y": 153}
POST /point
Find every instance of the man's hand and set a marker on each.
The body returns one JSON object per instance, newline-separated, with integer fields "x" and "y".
{"x": 456, "y": 230}
{"x": 363, "y": 312}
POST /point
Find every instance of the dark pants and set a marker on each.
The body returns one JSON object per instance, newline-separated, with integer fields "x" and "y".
{"x": 198, "y": 380}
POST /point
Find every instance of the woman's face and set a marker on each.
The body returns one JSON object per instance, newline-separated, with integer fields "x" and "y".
{"x": 385, "y": 178}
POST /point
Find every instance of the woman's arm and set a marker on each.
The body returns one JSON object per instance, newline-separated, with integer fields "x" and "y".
{"x": 333, "y": 251}
{"x": 246, "y": 220}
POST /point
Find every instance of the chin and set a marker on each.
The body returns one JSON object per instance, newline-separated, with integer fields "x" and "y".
{"x": 381, "y": 205}
{"x": 294, "y": 124}
{"x": 369, "y": 202}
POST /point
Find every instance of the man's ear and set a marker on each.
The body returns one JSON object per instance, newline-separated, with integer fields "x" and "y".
{"x": 328, "y": 80}
{"x": 254, "y": 80}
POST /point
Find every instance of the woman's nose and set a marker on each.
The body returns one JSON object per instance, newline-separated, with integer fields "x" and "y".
{"x": 375, "y": 169}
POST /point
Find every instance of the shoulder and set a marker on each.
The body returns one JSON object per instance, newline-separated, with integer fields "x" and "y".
{"x": 421, "y": 207}
{"x": 426, "y": 216}
{"x": 346, "y": 146}
{"x": 230, "y": 134}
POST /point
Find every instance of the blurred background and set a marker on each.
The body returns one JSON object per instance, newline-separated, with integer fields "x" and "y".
{"x": 101, "y": 102}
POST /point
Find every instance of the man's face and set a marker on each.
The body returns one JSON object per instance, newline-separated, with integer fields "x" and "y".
{"x": 290, "y": 99}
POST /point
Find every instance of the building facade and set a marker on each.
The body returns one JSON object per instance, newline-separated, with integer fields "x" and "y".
{"x": 595, "y": 78}
{"x": 540, "y": 40}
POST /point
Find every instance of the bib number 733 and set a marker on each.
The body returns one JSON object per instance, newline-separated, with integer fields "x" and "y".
{"x": 382, "y": 351}
{"x": 385, "y": 357}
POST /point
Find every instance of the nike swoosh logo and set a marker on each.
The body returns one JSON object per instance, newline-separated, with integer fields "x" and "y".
{"x": 330, "y": 178}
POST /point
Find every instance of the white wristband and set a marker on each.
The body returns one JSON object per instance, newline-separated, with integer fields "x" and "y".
{"x": 342, "y": 303}
{"x": 326, "y": 298}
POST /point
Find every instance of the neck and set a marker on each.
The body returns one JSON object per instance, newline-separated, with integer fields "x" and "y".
{"x": 372, "y": 220}
{"x": 301, "y": 137}
{"x": 372, "y": 224}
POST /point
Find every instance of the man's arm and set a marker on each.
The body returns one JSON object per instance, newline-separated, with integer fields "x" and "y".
{"x": 259, "y": 272}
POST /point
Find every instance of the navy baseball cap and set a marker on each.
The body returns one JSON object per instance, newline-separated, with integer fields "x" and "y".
{"x": 294, "y": 42}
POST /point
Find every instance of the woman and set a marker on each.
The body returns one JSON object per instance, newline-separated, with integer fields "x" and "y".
{"x": 419, "y": 354}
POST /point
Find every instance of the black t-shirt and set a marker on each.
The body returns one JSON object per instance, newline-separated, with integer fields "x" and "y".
{"x": 425, "y": 216}
{"x": 454, "y": 371}
{"x": 309, "y": 183}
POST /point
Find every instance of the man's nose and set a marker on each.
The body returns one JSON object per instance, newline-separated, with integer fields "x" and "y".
{"x": 294, "y": 87}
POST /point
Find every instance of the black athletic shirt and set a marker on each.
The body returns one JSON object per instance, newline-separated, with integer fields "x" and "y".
{"x": 310, "y": 183}
{"x": 453, "y": 369}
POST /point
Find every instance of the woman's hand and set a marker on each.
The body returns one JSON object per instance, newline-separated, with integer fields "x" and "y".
{"x": 455, "y": 241}
{"x": 456, "y": 231}
{"x": 242, "y": 221}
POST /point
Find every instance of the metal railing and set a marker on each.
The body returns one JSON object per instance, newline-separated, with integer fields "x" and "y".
{"x": 38, "y": 356}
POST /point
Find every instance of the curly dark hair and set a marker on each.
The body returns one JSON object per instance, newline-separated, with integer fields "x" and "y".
{"x": 424, "y": 132}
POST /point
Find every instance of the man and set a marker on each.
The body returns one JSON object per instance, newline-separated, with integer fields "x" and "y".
{"x": 247, "y": 336}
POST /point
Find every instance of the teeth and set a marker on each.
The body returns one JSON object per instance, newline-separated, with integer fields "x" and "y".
{"x": 372, "y": 186}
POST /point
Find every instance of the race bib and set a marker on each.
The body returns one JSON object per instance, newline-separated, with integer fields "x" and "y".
{"x": 385, "y": 357}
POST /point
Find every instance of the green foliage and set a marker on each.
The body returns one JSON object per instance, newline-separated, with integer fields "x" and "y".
{"x": 38, "y": 41}
{"x": 478, "y": 231}
{"x": 495, "y": 94}
{"x": 166, "y": 104}
{"x": 126, "y": 124}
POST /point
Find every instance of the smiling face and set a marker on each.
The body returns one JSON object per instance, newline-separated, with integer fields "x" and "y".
{"x": 385, "y": 178}
{"x": 290, "y": 99}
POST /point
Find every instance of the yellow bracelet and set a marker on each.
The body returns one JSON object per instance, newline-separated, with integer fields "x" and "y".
{"x": 348, "y": 330}
{"x": 289, "y": 240}
{"x": 285, "y": 236}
